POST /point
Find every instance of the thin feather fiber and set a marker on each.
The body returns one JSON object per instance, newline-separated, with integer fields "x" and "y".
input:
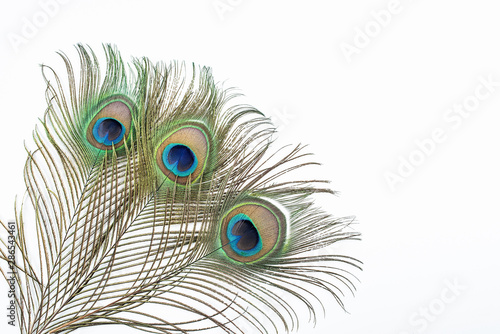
{"x": 110, "y": 241}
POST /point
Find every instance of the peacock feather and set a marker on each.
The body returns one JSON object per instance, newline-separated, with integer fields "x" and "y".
{"x": 154, "y": 202}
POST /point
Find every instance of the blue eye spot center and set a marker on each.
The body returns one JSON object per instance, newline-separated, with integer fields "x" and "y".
{"x": 183, "y": 155}
{"x": 108, "y": 131}
{"x": 111, "y": 127}
{"x": 248, "y": 232}
{"x": 179, "y": 159}
{"x": 243, "y": 236}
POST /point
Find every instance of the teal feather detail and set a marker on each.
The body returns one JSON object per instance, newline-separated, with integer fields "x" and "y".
{"x": 161, "y": 206}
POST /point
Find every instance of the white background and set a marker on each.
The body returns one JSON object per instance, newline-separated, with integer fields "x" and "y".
{"x": 360, "y": 117}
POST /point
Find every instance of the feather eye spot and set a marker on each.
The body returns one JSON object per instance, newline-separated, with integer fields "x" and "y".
{"x": 108, "y": 131}
{"x": 252, "y": 230}
{"x": 179, "y": 159}
{"x": 243, "y": 236}
{"x": 183, "y": 154}
{"x": 111, "y": 126}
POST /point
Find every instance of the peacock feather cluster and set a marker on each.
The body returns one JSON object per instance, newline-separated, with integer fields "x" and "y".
{"x": 153, "y": 202}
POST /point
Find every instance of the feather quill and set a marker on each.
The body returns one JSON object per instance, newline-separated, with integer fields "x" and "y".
{"x": 153, "y": 196}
